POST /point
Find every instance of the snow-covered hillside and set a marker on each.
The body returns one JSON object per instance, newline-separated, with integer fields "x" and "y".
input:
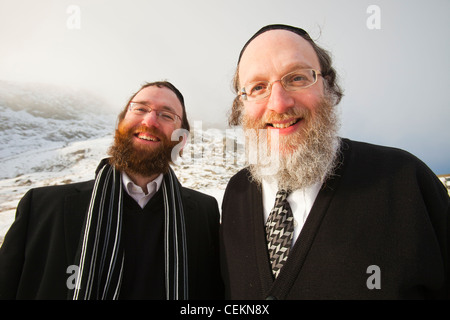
{"x": 37, "y": 120}
{"x": 52, "y": 136}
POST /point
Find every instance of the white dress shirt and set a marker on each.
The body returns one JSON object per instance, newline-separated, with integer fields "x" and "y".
{"x": 137, "y": 193}
{"x": 301, "y": 202}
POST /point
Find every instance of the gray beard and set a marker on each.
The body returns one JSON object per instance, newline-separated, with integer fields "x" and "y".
{"x": 312, "y": 154}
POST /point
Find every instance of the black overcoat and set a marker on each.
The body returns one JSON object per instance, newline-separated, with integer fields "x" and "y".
{"x": 43, "y": 240}
{"x": 378, "y": 229}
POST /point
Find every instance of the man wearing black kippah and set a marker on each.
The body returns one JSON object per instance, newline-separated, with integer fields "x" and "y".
{"x": 132, "y": 233}
{"x": 313, "y": 215}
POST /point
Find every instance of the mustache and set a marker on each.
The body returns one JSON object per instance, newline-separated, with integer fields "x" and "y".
{"x": 150, "y": 130}
{"x": 272, "y": 116}
{"x": 130, "y": 132}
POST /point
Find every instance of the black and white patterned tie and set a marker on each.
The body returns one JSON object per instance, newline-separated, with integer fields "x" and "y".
{"x": 279, "y": 231}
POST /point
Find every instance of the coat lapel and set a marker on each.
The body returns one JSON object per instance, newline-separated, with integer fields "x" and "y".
{"x": 75, "y": 208}
{"x": 259, "y": 236}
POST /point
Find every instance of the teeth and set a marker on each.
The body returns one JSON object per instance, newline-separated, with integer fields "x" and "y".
{"x": 147, "y": 138}
{"x": 283, "y": 125}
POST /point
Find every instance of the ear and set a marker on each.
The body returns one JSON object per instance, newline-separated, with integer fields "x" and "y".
{"x": 234, "y": 118}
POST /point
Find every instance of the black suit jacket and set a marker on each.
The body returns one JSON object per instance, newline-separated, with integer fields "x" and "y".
{"x": 43, "y": 240}
{"x": 378, "y": 229}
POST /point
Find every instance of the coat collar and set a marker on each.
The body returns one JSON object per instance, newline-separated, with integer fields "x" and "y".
{"x": 75, "y": 208}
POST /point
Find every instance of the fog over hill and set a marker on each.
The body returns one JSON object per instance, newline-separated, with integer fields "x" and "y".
{"x": 36, "y": 118}
{"x": 51, "y": 135}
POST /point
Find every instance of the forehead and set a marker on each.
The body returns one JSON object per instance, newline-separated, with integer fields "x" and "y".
{"x": 161, "y": 98}
{"x": 275, "y": 53}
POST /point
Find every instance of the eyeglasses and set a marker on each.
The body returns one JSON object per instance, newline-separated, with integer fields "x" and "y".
{"x": 164, "y": 116}
{"x": 293, "y": 81}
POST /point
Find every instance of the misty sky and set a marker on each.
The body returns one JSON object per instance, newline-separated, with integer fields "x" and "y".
{"x": 393, "y": 63}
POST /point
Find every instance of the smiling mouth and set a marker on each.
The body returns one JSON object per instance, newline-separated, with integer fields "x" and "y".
{"x": 146, "y": 137}
{"x": 284, "y": 125}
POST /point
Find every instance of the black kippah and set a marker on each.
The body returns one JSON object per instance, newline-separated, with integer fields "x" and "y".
{"x": 296, "y": 30}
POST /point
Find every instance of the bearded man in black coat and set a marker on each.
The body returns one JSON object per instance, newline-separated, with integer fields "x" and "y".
{"x": 132, "y": 233}
{"x": 315, "y": 216}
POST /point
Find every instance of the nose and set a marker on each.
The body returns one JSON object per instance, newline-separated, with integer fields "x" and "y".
{"x": 150, "y": 119}
{"x": 280, "y": 100}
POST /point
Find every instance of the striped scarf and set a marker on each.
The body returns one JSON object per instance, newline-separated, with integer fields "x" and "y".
{"x": 101, "y": 254}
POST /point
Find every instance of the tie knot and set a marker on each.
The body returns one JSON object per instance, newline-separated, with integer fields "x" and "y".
{"x": 281, "y": 196}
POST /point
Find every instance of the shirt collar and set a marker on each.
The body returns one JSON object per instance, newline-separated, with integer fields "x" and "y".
{"x": 308, "y": 195}
{"x": 136, "y": 191}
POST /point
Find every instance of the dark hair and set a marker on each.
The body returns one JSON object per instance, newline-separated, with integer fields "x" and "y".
{"x": 327, "y": 70}
{"x": 161, "y": 84}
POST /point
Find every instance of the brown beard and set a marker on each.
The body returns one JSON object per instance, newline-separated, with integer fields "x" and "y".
{"x": 141, "y": 160}
{"x": 305, "y": 157}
